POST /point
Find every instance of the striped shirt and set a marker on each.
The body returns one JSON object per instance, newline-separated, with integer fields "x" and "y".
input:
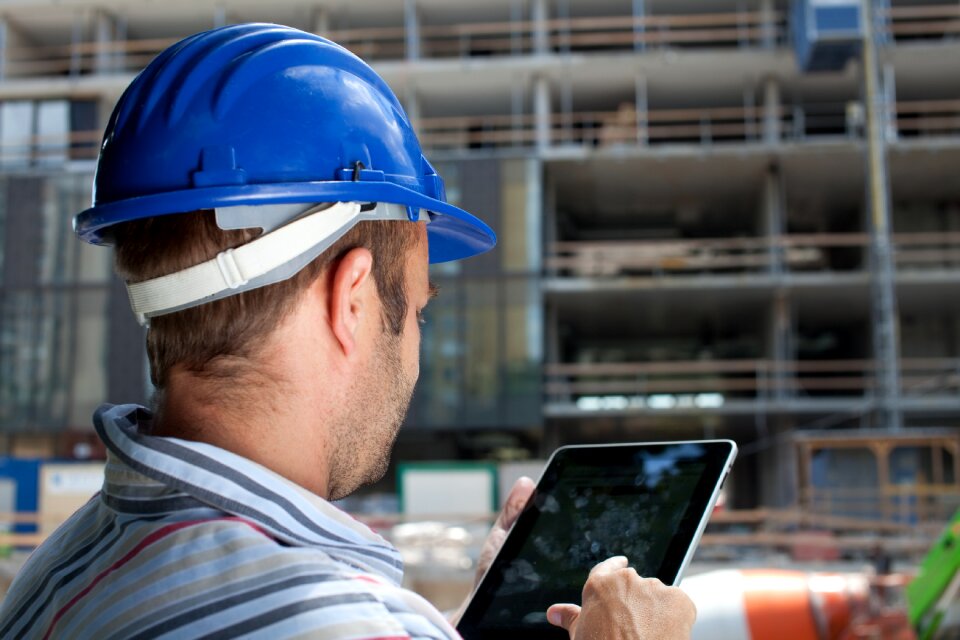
{"x": 186, "y": 540}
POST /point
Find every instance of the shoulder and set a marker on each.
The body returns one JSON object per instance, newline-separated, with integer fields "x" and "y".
{"x": 224, "y": 574}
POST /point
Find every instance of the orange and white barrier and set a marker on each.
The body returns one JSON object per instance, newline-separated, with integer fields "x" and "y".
{"x": 771, "y": 604}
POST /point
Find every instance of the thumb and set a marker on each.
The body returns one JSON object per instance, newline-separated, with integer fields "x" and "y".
{"x": 564, "y": 615}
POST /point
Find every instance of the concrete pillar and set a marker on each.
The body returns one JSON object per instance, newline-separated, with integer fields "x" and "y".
{"x": 781, "y": 347}
{"x": 774, "y": 217}
{"x": 11, "y": 38}
{"x": 890, "y": 98}
{"x": 107, "y": 32}
{"x": 563, "y": 13}
{"x": 774, "y": 223}
{"x": 749, "y": 114}
{"x": 535, "y": 222}
{"x": 517, "y": 90}
{"x": 778, "y": 470}
{"x": 321, "y": 21}
{"x": 219, "y": 16}
{"x": 768, "y": 26}
{"x": 771, "y": 111}
{"x": 4, "y": 45}
{"x": 411, "y": 105}
{"x": 883, "y": 276}
{"x": 542, "y": 112}
{"x": 643, "y": 108}
{"x": 541, "y": 36}
{"x": 566, "y": 107}
{"x": 81, "y": 22}
{"x": 411, "y": 22}
{"x": 516, "y": 32}
{"x": 639, "y": 28}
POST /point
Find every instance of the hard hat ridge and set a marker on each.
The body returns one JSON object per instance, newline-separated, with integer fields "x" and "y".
{"x": 263, "y": 114}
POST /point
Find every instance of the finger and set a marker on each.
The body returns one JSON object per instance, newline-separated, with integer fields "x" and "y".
{"x": 563, "y": 615}
{"x": 610, "y": 565}
{"x": 516, "y": 500}
{"x": 489, "y": 550}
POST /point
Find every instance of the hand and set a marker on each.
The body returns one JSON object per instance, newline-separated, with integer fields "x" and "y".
{"x": 516, "y": 500}
{"x": 618, "y": 604}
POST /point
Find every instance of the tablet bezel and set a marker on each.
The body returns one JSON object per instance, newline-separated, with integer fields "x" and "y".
{"x": 704, "y": 500}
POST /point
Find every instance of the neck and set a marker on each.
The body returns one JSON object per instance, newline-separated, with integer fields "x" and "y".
{"x": 264, "y": 413}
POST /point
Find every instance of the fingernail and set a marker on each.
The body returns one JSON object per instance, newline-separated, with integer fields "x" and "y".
{"x": 554, "y": 617}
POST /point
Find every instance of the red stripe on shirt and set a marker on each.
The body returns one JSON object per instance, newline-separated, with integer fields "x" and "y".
{"x": 156, "y": 536}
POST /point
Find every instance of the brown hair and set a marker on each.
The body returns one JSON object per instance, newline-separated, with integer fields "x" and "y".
{"x": 206, "y": 338}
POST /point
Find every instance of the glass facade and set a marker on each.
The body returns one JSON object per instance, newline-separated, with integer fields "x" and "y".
{"x": 54, "y": 295}
{"x": 59, "y": 353}
{"x": 482, "y": 351}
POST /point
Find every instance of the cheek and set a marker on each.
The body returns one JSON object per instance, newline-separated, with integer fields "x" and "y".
{"x": 411, "y": 344}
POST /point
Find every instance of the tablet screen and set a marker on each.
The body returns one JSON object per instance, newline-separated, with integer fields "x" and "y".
{"x": 641, "y": 501}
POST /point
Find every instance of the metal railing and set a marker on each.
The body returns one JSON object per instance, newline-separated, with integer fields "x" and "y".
{"x": 936, "y": 21}
{"x": 897, "y": 530}
{"x": 910, "y": 504}
{"x": 710, "y": 383}
{"x": 705, "y": 126}
{"x": 826, "y": 252}
{"x": 738, "y": 29}
{"x": 467, "y": 39}
{"x": 571, "y": 34}
{"x": 624, "y": 126}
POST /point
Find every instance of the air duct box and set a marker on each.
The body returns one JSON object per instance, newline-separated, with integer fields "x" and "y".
{"x": 826, "y": 33}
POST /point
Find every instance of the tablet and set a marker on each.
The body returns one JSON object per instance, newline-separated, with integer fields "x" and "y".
{"x": 648, "y": 502}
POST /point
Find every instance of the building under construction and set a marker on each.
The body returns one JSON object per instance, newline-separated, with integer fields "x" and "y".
{"x": 734, "y": 218}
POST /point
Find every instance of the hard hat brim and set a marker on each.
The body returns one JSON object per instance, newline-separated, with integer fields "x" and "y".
{"x": 453, "y": 233}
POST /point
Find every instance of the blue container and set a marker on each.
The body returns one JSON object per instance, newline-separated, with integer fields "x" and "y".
{"x": 25, "y": 473}
{"x": 826, "y": 33}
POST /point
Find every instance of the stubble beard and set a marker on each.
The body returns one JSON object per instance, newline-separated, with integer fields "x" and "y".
{"x": 365, "y": 439}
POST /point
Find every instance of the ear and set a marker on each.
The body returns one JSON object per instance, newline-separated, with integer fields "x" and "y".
{"x": 350, "y": 282}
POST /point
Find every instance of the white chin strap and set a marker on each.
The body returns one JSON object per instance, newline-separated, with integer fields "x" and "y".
{"x": 274, "y": 256}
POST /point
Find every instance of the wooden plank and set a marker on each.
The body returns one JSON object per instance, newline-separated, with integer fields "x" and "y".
{"x": 927, "y": 106}
{"x": 912, "y": 544}
{"x": 21, "y": 539}
{"x": 19, "y": 517}
{"x": 940, "y": 27}
{"x": 924, "y": 11}
{"x": 928, "y": 124}
{"x": 659, "y": 37}
{"x": 663, "y": 21}
{"x": 636, "y": 368}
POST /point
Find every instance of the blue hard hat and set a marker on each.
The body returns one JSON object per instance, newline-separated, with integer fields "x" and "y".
{"x": 259, "y": 114}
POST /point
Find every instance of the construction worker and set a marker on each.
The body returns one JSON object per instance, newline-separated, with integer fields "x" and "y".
{"x": 273, "y": 217}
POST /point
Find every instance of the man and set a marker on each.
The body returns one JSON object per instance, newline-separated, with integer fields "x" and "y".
{"x": 273, "y": 217}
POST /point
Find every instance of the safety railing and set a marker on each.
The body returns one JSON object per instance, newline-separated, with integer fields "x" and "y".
{"x": 51, "y": 149}
{"x": 468, "y": 39}
{"x": 926, "y": 118}
{"x": 81, "y": 58}
{"x": 599, "y": 129}
{"x": 556, "y": 34}
{"x": 899, "y": 532}
{"x": 742, "y": 124}
{"x": 911, "y": 503}
{"x": 568, "y": 34}
{"x": 923, "y": 22}
{"x": 826, "y": 252}
{"x": 709, "y": 384}
{"x": 685, "y": 257}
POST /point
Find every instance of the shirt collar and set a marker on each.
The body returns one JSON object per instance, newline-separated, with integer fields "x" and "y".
{"x": 246, "y": 489}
